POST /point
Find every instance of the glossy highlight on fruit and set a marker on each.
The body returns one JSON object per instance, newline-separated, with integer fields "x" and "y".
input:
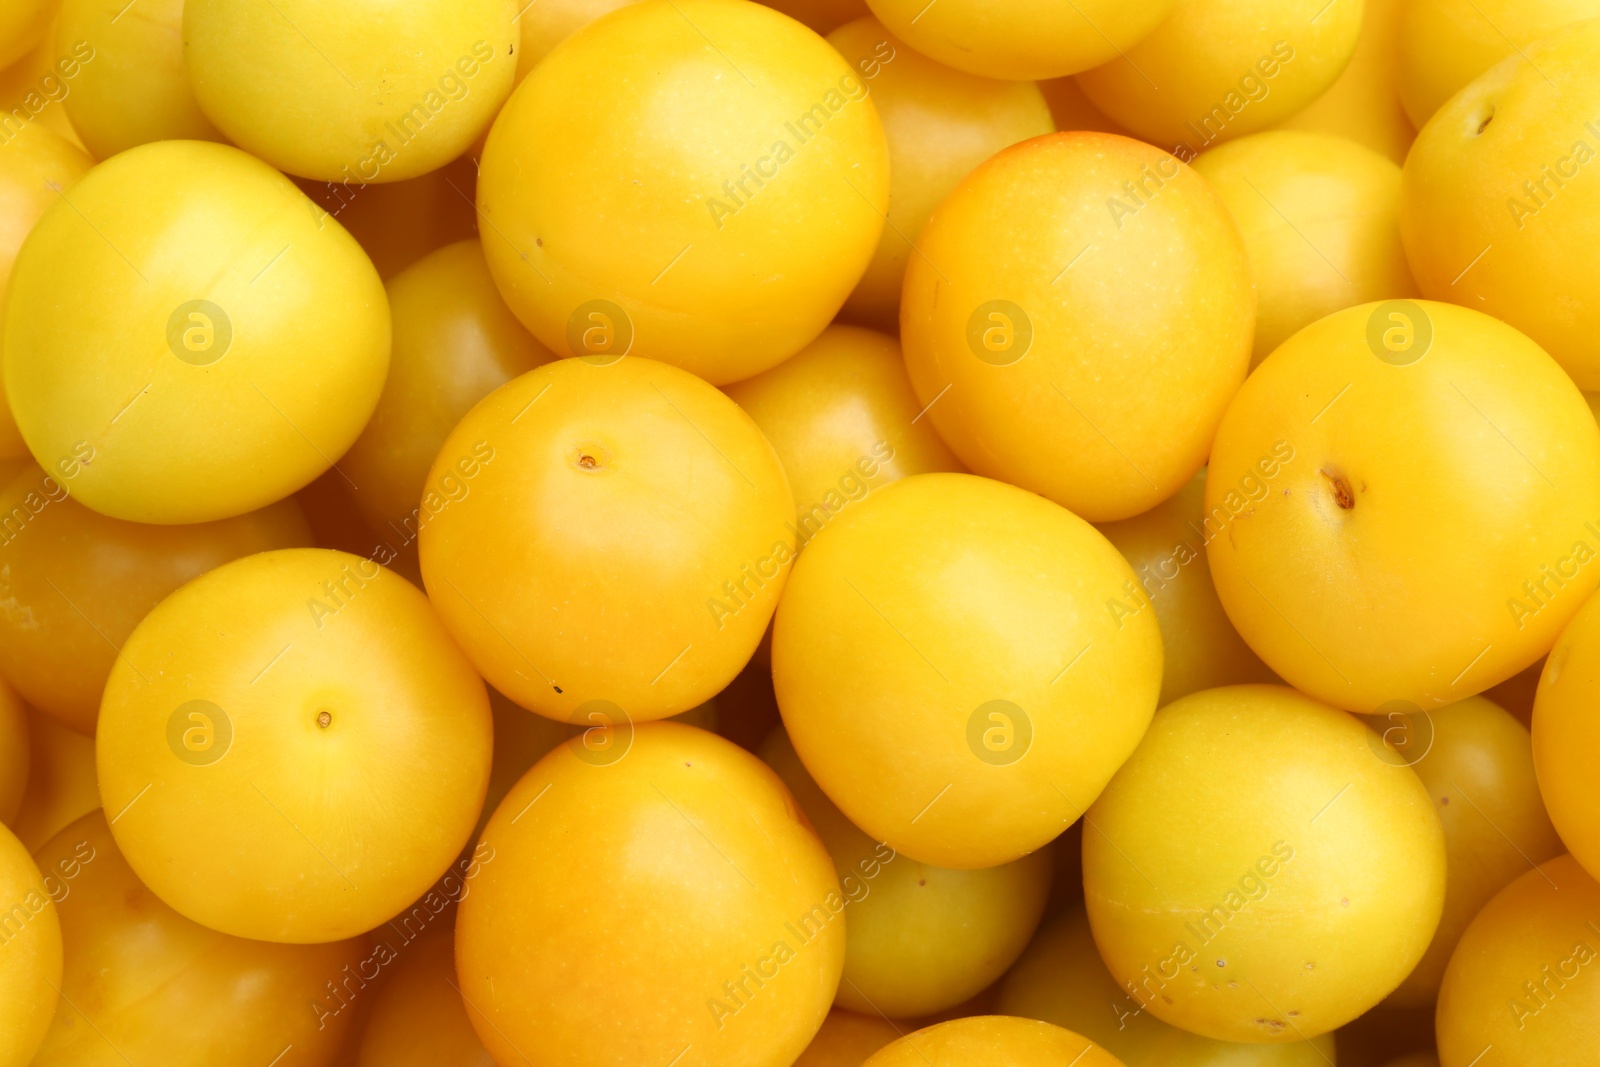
{"x": 227, "y": 339}
{"x": 732, "y": 906}
{"x": 631, "y": 530}
{"x": 960, "y": 702}
{"x": 1257, "y": 872}
{"x": 1079, "y": 317}
{"x": 302, "y": 779}
{"x": 1373, "y": 431}
{"x": 700, "y": 182}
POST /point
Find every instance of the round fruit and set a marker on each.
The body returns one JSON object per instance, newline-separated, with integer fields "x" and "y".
{"x": 142, "y": 984}
{"x": 1023, "y": 39}
{"x": 1218, "y": 69}
{"x": 847, "y": 1039}
{"x": 841, "y": 415}
{"x": 543, "y": 25}
{"x": 993, "y": 1041}
{"x": 607, "y": 539}
{"x": 1373, "y": 460}
{"x": 36, "y": 166}
{"x": 22, "y": 24}
{"x": 455, "y": 342}
{"x": 706, "y": 204}
{"x": 688, "y": 853}
{"x": 30, "y": 954}
{"x": 1517, "y": 982}
{"x": 962, "y": 665}
{"x": 1166, "y": 547}
{"x": 225, "y": 340}
{"x": 921, "y": 939}
{"x": 419, "y": 1018}
{"x": 136, "y": 89}
{"x": 75, "y": 583}
{"x": 940, "y": 123}
{"x": 1080, "y": 315}
{"x": 306, "y": 776}
{"x": 1061, "y": 980}
{"x": 1318, "y": 214}
{"x": 1564, "y": 729}
{"x": 1445, "y": 44}
{"x": 351, "y": 91}
{"x": 1363, "y": 104}
{"x": 1256, "y": 872}
{"x": 1476, "y": 762}
{"x": 1496, "y": 209}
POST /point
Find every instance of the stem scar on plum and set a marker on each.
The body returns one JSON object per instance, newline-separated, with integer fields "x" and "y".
{"x": 324, "y": 718}
{"x": 1342, "y": 493}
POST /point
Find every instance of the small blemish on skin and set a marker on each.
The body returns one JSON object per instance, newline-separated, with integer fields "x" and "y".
{"x": 324, "y": 718}
{"x": 1345, "y": 901}
{"x": 1222, "y": 963}
{"x": 557, "y": 688}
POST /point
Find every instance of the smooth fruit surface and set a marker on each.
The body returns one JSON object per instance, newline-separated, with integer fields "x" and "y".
{"x": 455, "y": 342}
{"x": 136, "y": 90}
{"x": 140, "y": 981}
{"x": 1445, "y": 44}
{"x": 1219, "y": 69}
{"x": 729, "y": 904}
{"x": 1564, "y": 728}
{"x": 940, "y": 123}
{"x": 1363, "y": 104}
{"x": 30, "y": 954}
{"x": 1517, "y": 980}
{"x": 961, "y": 666}
{"x": 1476, "y": 762}
{"x": 1080, "y": 315}
{"x": 1374, "y": 431}
{"x": 1166, "y": 547}
{"x": 1319, "y": 215}
{"x": 22, "y": 24}
{"x": 225, "y": 340}
{"x": 920, "y": 939}
{"x": 303, "y": 778}
{"x": 993, "y": 1041}
{"x": 74, "y": 583}
{"x": 354, "y": 92}
{"x": 1024, "y": 39}
{"x": 841, "y": 415}
{"x": 696, "y": 181}
{"x": 607, "y": 538}
{"x": 542, "y": 26}
{"x": 35, "y": 167}
{"x": 1062, "y": 980}
{"x": 847, "y": 1039}
{"x": 1256, "y": 872}
{"x": 419, "y": 1018}
{"x": 1497, "y": 211}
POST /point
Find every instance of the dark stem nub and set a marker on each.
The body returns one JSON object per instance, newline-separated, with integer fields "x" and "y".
{"x": 1341, "y": 490}
{"x": 324, "y": 718}
{"x": 1484, "y": 125}
{"x": 587, "y": 462}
